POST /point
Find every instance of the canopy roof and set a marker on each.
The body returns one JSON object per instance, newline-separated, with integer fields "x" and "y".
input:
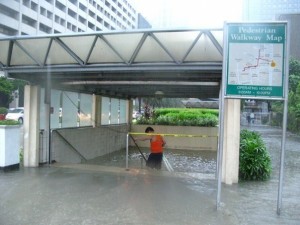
{"x": 141, "y": 63}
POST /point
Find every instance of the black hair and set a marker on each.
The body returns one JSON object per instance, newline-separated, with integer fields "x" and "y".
{"x": 149, "y": 129}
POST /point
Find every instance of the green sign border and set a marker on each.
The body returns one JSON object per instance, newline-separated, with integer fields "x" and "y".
{"x": 256, "y": 33}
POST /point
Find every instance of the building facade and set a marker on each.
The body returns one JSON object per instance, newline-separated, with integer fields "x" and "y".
{"x": 277, "y": 10}
{"x": 269, "y": 10}
{"x": 32, "y": 17}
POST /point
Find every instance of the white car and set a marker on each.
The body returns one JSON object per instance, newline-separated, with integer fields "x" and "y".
{"x": 15, "y": 114}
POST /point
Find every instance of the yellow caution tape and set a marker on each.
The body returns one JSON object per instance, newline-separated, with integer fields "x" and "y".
{"x": 174, "y": 135}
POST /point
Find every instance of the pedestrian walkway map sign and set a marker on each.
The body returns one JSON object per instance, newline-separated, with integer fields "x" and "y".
{"x": 255, "y": 59}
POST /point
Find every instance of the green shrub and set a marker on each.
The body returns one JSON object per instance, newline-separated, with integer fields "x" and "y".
{"x": 21, "y": 155}
{"x": 9, "y": 122}
{"x": 182, "y": 117}
{"x": 3, "y": 110}
{"x": 255, "y": 160}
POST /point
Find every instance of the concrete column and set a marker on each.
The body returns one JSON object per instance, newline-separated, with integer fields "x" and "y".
{"x": 96, "y": 110}
{"x": 231, "y": 145}
{"x": 129, "y": 111}
{"x": 31, "y": 125}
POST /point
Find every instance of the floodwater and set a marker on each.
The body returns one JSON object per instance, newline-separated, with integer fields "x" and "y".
{"x": 185, "y": 161}
{"x": 253, "y": 201}
{"x": 103, "y": 192}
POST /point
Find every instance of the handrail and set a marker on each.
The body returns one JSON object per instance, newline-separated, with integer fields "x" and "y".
{"x": 72, "y": 147}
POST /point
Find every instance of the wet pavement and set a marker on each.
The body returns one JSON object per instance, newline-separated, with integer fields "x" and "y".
{"x": 108, "y": 194}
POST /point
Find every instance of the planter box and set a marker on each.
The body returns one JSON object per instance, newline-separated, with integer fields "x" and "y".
{"x": 9, "y": 147}
{"x": 181, "y": 142}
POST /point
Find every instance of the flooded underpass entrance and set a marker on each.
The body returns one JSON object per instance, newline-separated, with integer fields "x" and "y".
{"x": 244, "y": 203}
{"x": 190, "y": 162}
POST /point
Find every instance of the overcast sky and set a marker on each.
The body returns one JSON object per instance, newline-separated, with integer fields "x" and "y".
{"x": 189, "y": 13}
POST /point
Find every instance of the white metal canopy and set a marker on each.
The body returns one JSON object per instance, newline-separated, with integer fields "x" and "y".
{"x": 180, "y": 63}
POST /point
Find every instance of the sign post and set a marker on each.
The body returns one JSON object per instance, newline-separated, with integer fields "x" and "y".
{"x": 255, "y": 66}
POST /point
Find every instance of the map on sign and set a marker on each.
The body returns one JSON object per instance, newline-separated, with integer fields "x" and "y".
{"x": 255, "y": 64}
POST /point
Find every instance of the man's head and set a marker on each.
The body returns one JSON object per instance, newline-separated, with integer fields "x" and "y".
{"x": 149, "y": 130}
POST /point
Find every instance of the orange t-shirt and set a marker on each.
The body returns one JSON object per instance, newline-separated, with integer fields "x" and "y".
{"x": 156, "y": 144}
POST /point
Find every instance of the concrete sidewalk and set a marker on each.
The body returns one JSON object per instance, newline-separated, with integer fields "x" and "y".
{"x": 89, "y": 194}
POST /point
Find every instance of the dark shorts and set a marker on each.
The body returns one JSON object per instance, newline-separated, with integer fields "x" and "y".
{"x": 154, "y": 160}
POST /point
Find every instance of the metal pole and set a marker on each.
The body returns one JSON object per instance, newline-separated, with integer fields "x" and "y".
{"x": 219, "y": 132}
{"x": 221, "y": 125}
{"x": 284, "y": 122}
{"x": 279, "y": 201}
{"x": 220, "y": 145}
{"x": 127, "y": 142}
{"x": 138, "y": 148}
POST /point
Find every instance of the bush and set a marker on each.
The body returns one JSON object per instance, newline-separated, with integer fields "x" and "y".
{"x": 21, "y": 155}
{"x": 255, "y": 160}
{"x": 3, "y": 110}
{"x": 9, "y": 122}
{"x": 182, "y": 117}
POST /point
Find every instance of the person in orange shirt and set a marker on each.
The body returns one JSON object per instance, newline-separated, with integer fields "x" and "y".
{"x": 157, "y": 143}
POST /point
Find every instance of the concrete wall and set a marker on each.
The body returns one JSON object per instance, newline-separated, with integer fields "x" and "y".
{"x": 88, "y": 142}
{"x": 188, "y": 143}
{"x": 9, "y": 145}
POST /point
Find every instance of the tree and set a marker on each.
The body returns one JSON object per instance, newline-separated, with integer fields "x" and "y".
{"x": 293, "y": 99}
{"x": 163, "y": 102}
{"x": 6, "y": 88}
{"x": 294, "y": 77}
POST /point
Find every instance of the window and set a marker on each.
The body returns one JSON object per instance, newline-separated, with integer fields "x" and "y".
{"x": 34, "y": 6}
{"x": 82, "y": 7}
{"x": 113, "y": 111}
{"x": 62, "y": 22}
{"x": 8, "y": 31}
{"x": 92, "y": 14}
{"x": 57, "y": 19}
{"x": 106, "y": 25}
{"x": 99, "y": 19}
{"x": 26, "y": 3}
{"x": 72, "y": 13}
{"x": 107, "y": 4}
{"x": 49, "y": 15}
{"x": 82, "y": 20}
{"x": 91, "y": 26}
{"x": 60, "y": 6}
{"x": 105, "y": 111}
{"x": 9, "y": 12}
{"x": 43, "y": 11}
{"x": 45, "y": 28}
{"x": 29, "y": 21}
{"x": 85, "y": 116}
{"x": 69, "y": 26}
{"x": 74, "y": 2}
